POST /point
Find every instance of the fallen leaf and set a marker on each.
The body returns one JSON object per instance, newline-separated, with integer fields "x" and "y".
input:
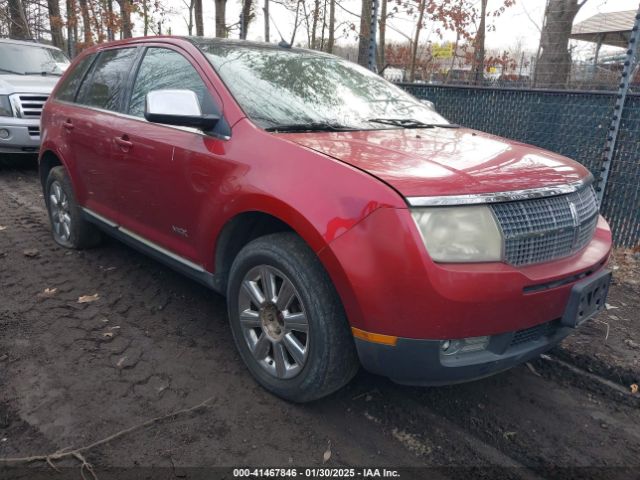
{"x": 31, "y": 252}
{"x": 327, "y": 453}
{"x": 508, "y": 435}
{"x": 88, "y": 298}
{"x": 5, "y": 356}
{"x": 634, "y": 388}
{"x": 121, "y": 361}
{"x": 610, "y": 307}
{"x": 2, "y": 229}
{"x": 533, "y": 370}
{"x": 48, "y": 292}
{"x": 107, "y": 335}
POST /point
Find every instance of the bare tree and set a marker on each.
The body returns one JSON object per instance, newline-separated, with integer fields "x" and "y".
{"x": 365, "y": 33}
{"x": 382, "y": 34}
{"x": 125, "y": 17}
{"x": 554, "y": 64}
{"x": 245, "y": 17}
{"x": 86, "y": 23}
{"x": 267, "y": 20}
{"x": 18, "y": 27}
{"x": 197, "y": 10}
{"x": 479, "y": 45}
{"x": 332, "y": 26}
{"x": 55, "y": 22}
{"x": 221, "y": 18}
{"x": 416, "y": 40}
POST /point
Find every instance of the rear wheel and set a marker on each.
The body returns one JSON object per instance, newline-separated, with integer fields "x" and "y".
{"x": 287, "y": 319}
{"x": 68, "y": 226}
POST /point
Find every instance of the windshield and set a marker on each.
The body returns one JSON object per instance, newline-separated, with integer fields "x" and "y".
{"x": 31, "y": 60}
{"x": 281, "y": 87}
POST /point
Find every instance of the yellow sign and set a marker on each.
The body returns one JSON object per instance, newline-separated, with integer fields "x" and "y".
{"x": 443, "y": 51}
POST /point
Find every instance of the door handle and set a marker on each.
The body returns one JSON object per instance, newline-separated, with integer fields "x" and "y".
{"x": 124, "y": 143}
{"x": 68, "y": 124}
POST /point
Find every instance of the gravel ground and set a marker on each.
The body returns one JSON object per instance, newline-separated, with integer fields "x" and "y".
{"x": 152, "y": 342}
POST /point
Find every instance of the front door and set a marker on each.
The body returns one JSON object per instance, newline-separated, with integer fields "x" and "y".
{"x": 169, "y": 172}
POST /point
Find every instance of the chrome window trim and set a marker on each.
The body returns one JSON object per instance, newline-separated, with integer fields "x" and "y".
{"x": 144, "y": 120}
{"x": 498, "y": 197}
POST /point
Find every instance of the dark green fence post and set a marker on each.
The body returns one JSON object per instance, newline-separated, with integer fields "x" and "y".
{"x": 623, "y": 90}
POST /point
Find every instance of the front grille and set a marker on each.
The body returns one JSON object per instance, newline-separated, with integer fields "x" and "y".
{"x": 30, "y": 105}
{"x": 535, "y": 333}
{"x": 34, "y": 132}
{"x": 545, "y": 229}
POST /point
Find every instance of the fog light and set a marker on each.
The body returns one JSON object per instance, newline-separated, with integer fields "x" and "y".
{"x": 464, "y": 345}
{"x": 4, "y": 133}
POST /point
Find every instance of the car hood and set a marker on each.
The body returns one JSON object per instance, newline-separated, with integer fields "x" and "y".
{"x": 444, "y": 161}
{"x": 27, "y": 83}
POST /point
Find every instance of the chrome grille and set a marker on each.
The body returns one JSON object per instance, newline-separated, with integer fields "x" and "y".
{"x": 545, "y": 229}
{"x": 30, "y": 105}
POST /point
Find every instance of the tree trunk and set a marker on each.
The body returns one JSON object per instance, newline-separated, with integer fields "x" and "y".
{"x": 365, "y": 33}
{"x": 416, "y": 41}
{"x": 382, "y": 37}
{"x": 108, "y": 6}
{"x": 266, "y": 21}
{"x": 332, "y": 26}
{"x": 554, "y": 64}
{"x": 125, "y": 16}
{"x": 479, "y": 45}
{"x": 221, "y": 18}
{"x": 145, "y": 17}
{"x": 86, "y": 23}
{"x": 71, "y": 21}
{"x": 197, "y": 13}
{"x": 245, "y": 18}
{"x": 55, "y": 21}
{"x": 314, "y": 23}
{"x": 18, "y": 27}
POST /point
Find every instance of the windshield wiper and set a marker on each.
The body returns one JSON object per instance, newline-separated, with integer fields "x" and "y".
{"x": 43, "y": 73}
{"x": 411, "y": 123}
{"x": 310, "y": 127}
{"x": 6, "y": 70}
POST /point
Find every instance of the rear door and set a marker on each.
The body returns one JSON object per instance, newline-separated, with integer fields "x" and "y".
{"x": 170, "y": 171}
{"x": 90, "y": 129}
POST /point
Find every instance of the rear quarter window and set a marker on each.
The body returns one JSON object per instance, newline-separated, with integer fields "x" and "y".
{"x": 103, "y": 87}
{"x": 69, "y": 86}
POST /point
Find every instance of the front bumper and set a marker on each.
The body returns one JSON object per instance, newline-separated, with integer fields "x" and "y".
{"x": 419, "y": 362}
{"x": 24, "y": 136}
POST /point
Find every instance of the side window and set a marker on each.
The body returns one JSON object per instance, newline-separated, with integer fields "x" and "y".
{"x": 162, "y": 69}
{"x": 69, "y": 87}
{"x": 108, "y": 79}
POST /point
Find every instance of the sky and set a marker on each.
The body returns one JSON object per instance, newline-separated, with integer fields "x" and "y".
{"x": 519, "y": 24}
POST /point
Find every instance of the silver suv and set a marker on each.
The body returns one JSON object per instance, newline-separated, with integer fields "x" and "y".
{"x": 28, "y": 73}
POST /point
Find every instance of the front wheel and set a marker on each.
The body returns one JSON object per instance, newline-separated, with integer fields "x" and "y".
{"x": 287, "y": 319}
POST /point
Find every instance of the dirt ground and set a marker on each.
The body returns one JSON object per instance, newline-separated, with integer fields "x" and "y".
{"x": 153, "y": 342}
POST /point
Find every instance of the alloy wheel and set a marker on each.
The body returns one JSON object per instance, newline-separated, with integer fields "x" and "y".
{"x": 273, "y": 321}
{"x": 60, "y": 212}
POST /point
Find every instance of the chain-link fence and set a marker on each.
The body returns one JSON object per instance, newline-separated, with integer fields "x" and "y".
{"x": 588, "y": 111}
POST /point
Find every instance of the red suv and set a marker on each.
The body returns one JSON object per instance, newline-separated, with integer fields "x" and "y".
{"x": 345, "y": 221}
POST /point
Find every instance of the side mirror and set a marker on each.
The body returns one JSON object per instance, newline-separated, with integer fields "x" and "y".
{"x": 429, "y": 104}
{"x": 177, "y": 107}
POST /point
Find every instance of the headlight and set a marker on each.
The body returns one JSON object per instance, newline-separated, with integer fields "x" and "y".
{"x": 460, "y": 234}
{"x": 5, "y": 106}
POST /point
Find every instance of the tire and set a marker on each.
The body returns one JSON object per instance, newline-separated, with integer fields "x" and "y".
{"x": 68, "y": 226}
{"x": 327, "y": 360}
